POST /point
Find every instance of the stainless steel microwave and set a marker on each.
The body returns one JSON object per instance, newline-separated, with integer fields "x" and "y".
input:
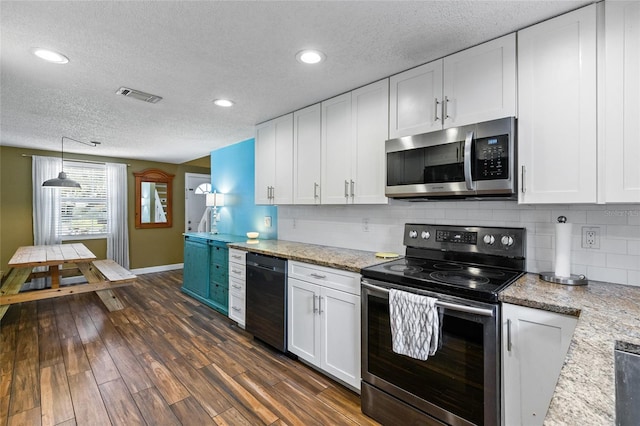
{"x": 473, "y": 161}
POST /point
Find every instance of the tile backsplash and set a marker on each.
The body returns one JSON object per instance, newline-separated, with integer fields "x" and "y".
{"x": 380, "y": 228}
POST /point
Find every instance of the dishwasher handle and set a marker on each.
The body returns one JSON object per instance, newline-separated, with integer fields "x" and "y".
{"x": 265, "y": 267}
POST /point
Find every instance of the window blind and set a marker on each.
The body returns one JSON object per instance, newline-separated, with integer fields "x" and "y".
{"x": 84, "y": 211}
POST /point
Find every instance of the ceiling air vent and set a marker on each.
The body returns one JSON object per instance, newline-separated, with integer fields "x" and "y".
{"x": 137, "y": 94}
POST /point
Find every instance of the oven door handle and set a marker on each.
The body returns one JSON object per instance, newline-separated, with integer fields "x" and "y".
{"x": 442, "y": 304}
{"x": 468, "y": 177}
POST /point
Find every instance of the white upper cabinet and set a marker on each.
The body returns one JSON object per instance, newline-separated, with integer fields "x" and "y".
{"x": 557, "y": 109}
{"x": 622, "y": 102}
{"x": 415, "y": 99}
{"x": 370, "y": 130}
{"x": 274, "y": 161}
{"x": 354, "y": 130}
{"x": 336, "y": 150}
{"x": 265, "y": 159}
{"x": 306, "y": 155}
{"x": 477, "y": 84}
{"x": 480, "y": 83}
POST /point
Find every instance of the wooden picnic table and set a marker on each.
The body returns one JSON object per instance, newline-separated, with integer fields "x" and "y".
{"x": 101, "y": 275}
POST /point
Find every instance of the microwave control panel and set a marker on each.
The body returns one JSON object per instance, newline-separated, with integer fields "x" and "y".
{"x": 491, "y": 158}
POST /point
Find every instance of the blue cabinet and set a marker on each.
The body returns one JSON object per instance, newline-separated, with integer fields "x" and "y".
{"x": 205, "y": 274}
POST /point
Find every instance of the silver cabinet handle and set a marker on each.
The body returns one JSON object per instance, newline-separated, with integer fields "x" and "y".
{"x": 435, "y": 110}
{"x": 314, "y": 275}
{"x": 320, "y": 305}
{"x": 524, "y": 175}
{"x": 236, "y": 286}
{"x": 353, "y": 192}
{"x": 315, "y": 310}
{"x": 235, "y": 308}
{"x": 236, "y": 271}
{"x": 235, "y": 256}
{"x": 468, "y": 179}
{"x": 509, "y": 335}
{"x": 315, "y": 189}
{"x": 445, "y": 113}
{"x": 346, "y": 189}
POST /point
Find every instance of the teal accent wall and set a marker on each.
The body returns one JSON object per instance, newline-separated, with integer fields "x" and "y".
{"x": 233, "y": 174}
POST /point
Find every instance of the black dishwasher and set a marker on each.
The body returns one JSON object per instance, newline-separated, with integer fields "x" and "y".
{"x": 266, "y": 297}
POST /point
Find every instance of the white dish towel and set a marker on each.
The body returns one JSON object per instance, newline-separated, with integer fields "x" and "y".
{"x": 415, "y": 324}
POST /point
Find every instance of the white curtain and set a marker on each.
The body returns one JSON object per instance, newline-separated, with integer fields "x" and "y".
{"x": 46, "y": 207}
{"x": 118, "y": 238}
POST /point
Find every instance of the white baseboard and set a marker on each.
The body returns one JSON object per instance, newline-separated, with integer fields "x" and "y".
{"x": 160, "y": 268}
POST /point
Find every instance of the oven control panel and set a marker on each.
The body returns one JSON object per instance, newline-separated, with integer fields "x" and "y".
{"x": 476, "y": 239}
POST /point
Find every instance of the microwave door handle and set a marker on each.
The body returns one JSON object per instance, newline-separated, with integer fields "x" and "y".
{"x": 468, "y": 179}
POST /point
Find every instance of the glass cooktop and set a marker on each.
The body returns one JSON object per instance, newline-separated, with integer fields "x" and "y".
{"x": 454, "y": 278}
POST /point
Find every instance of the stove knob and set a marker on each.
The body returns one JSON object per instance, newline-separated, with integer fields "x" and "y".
{"x": 425, "y": 235}
{"x": 507, "y": 240}
{"x": 489, "y": 239}
{"x": 413, "y": 234}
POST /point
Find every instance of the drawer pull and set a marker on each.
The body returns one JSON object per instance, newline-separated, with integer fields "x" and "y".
{"x": 236, "y": 286}
{"x": 236, "y": 271}
{"x": 236, "y": 256}
{"x": 314, "y": 275}
{"x": 235, "y": 308}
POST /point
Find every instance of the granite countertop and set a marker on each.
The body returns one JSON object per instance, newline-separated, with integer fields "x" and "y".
{"x": 333, "y": 257}
{"x": 608, "y": 313}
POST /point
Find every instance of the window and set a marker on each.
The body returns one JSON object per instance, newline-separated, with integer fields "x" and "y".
{"x": 83, "y": 212}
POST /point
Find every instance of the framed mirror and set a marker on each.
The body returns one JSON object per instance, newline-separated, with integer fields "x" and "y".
{"x": 153, "y": 199}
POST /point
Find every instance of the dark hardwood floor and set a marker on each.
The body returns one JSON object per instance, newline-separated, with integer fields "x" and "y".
{"x": 163, "y": 360}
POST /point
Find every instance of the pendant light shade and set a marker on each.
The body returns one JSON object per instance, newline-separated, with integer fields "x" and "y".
{"x": 62, "y": 181}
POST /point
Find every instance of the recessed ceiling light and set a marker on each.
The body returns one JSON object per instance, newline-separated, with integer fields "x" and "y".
{"x": 50, "y": 55}
{"x": 223, "y": 103}
{"x": 310, "y": 56}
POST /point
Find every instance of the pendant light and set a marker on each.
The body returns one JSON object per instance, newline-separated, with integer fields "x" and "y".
{"x": 62, "y": 181}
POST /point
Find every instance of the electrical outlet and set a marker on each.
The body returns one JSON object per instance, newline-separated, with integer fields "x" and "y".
{"x": 365, "y": 225}
{"x": 591, "y": 237}
{"x": 267, "y": 221}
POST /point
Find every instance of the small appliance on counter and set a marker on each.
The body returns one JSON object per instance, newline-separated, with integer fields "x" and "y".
{"x": 562, "y": 272}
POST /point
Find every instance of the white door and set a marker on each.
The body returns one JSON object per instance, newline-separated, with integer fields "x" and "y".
{"x": 265, "y": 159}
{"x": 303, "y": 329}
{"x": 480, "y": 83}
{"x": 557, "y": 109}
{"x": 336, "y": 150}
{"x": 415, "y": 98}
{"x": 340, "y": 319}
{"x": 306, "y": 155}
{"x": 194, "y": 203}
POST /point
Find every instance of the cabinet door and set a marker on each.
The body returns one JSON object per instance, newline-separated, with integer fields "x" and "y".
{"x": 265, "y": 159}
{"x": 622, "y": 102}
{"x": 370, "y": 127}
{"x": 196, "y": 267}
{"x": 282, "y": 192}
{"x": 480, "y": 83}
{"x": 535, "y": 344}
{"x": 414, "y": 101}
{"x": 306, "y": 155}
{"x": 340, "y": 321}
{"x": 302, "y": 325}
{"x": 557, "y": 109}
{"x": 336, "y": 150}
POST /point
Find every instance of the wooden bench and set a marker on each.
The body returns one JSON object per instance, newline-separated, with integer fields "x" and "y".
{"x": 102, "y": 276}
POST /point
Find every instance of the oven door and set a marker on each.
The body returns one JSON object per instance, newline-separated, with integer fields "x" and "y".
{"x": 459, "y": 385}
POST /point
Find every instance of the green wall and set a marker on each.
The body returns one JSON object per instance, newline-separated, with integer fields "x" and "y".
{"x": 147, "y": 247}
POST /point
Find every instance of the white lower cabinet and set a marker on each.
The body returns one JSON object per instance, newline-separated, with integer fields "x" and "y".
{"x": 324, "y": 319}
{"x": 534, "y": 345}
{"x": 237, "y": 281}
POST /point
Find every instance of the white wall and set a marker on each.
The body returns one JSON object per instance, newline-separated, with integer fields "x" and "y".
{"x": 617, "y": 260}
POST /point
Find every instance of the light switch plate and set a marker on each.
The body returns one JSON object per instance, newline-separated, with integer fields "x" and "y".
{"x": 267, "y": 221}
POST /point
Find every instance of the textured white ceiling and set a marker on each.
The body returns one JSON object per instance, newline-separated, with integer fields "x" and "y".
{"x": 191, "y": 52}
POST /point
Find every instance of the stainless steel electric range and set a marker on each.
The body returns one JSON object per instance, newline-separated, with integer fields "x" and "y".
{"x": 464, "y": 268}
